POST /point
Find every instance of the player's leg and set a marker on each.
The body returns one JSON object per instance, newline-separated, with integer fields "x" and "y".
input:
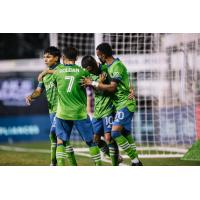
{"x": 85, "y": 129}
{"x": 129, "y": 137}
{"x": 112, "y": 145}
{"x": 53, "y": 140}
{"x": 101, "y": 144}
{"x": 98, "y": 132}
{"x": 126, "y": 132}
{"x": 123, "y": 120}
{"x": 63, "y": 131}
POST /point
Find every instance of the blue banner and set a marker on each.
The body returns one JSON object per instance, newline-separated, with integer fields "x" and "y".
{"x": 24, "y": 128}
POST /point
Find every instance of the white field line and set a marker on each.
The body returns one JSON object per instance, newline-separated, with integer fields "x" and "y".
{"x": 22, "y": 149}
{"x": 180, "y": 152}
{"x": 167, "y": 149}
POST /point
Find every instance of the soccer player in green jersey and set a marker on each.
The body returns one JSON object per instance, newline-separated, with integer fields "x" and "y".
{"x": 103, "y": 111}
{"x": 71, "y": 110}
{"x": 52, "y": 60}
{"x": 119, "y": 87}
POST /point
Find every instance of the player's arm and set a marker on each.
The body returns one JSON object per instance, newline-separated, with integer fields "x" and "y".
{"x": 131, "y": 94}
{"x": 44, "y": 72}
{"x": 89, "y": 101}
{"x": 36, "y": 93}
{"x": 106, "y": 87}
{"x": 100, "y": 86}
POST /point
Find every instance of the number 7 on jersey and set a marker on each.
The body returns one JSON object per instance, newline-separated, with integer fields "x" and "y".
{"x": 71, "y": 81}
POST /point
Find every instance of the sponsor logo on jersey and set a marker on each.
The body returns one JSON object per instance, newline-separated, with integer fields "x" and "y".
{"x": 116, "y": 75}
{"x": 51, "y": 85}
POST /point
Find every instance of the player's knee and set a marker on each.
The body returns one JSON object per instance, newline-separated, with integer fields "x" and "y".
{"x": 107, "y": 138}
{"x": 59, "y": 141}
{"x": 117, "y": 128}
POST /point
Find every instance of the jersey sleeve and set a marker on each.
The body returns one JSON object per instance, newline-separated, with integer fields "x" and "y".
{"x": 117, "y": 74}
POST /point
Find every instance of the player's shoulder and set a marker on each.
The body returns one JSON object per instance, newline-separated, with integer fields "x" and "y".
{"x": 59, "y": 66}
{"x": 83, "y": 70}
{"x": 118, "y": 62}
{"x": 118, "y": 65}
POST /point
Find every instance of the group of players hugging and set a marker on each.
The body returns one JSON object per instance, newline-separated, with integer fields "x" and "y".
{"x": 114, "y": 104}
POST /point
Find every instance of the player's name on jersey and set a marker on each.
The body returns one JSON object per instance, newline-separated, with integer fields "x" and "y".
{"x": 69, "y": 70}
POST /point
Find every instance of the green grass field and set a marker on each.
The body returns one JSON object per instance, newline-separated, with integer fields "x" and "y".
{"x": 38, "y": 155}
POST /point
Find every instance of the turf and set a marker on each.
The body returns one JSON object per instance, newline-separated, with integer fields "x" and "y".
{"x": 12, "y": 158}
{"x": 8, "y": 158}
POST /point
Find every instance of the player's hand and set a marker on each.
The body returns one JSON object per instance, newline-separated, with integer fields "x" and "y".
{"x": 102, "y": 77}
{"x": 40, "y": 77}
{"x": 86, "y": 82}
{"x": 42, "y": 74}
{"x": 49, "y": 71}
{"x": 131, "y": 94}
{"x": 28, "y": 100}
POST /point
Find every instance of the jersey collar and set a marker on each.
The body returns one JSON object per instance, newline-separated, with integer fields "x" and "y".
{"x": 54, "y": 66}
{"x": 68, "y": 65}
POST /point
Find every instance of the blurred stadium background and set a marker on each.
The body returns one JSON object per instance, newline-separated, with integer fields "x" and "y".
{"x": 164, "y": 69}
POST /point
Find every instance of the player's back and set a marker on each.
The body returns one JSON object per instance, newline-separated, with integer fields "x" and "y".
{"x": 72, "y": 98}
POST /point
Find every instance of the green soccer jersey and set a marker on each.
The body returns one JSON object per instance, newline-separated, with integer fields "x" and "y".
{"x": 118, "y": 73}
{"x": 72, "y": 99}
{"x": 102, "y": 100}
{"x": 51, "y": 91}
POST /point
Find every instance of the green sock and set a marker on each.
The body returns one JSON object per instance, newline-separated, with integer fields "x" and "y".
{"x": 60, "y": 155}
{"x": 130, "y": 141}
{"x": 114, "y": 153}
{"x": 70, "y": 155}
{"x": 95, "y": 154}
{"x": 123, "y": 143}
{"x": 103, "y": 147}
{"x": 53, "y": 141}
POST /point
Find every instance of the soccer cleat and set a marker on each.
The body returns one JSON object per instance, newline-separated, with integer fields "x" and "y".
{"x": 137, "y": 164}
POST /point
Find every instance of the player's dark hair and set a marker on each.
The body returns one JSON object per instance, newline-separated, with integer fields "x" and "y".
{"x": 105, "y": 48}
{"x": 54, "y": 51}
{"x": 70, "y": 53}
{"x": 88, "y": 61}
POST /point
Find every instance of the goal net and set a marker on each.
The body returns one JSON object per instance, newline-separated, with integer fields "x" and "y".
{"x": 164, "y": 70}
